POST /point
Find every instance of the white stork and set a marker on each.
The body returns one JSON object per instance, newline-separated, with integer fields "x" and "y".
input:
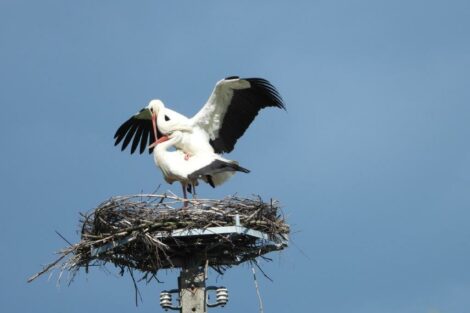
{"x": 229, "y": 111}
{"x": 208, "y": 166}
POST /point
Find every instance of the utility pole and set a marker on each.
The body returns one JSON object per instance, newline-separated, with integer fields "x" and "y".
{"x": 192, "y": 286}
{"x": 192, "y": 292}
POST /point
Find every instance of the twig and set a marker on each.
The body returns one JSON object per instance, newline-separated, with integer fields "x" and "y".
{"x": 136, "y": 288}
{"x": 47, "y": 268}
{"x": 63, "y": 238}
{"x": 261, "y": 270}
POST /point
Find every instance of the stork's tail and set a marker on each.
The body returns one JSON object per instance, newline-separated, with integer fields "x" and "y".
{"x": 217, "y": 172}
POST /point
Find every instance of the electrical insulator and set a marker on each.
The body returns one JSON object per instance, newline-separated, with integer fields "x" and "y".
{"x": 222, "y": 296}
{"x": 165, "y": 300}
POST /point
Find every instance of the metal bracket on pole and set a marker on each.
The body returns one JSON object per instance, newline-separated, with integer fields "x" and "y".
{"x": 221, "y": 296}
{"x": 166, "y": 300}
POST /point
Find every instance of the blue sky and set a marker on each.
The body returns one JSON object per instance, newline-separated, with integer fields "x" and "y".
{"x": 371, "y": 161}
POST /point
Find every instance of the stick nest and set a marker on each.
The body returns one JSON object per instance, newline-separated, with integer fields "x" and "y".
{"x": 138, "y": 232}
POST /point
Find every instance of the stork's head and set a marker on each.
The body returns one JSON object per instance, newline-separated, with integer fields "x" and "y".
{"x": 151, "y": 110}
{"x": 155, "y": 106}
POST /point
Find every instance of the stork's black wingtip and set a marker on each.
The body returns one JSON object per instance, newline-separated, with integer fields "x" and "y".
{"x": 244, "y": 170}
{"x": 210, "y": 181}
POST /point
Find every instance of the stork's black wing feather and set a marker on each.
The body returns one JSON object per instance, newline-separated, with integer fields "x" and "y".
{"x": 244, "y": 106}
{"x": 138, "y": 129}
{"x": 144, "y": 139}
{"x": 137, "y": 138}
{"x": 130, "y": 133}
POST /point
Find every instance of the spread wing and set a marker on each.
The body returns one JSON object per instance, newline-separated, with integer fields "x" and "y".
{"x": 232, "y": 106}
{"x": 137, "y": 129}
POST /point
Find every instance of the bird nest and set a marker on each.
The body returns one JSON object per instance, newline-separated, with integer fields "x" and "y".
{"x": 153, "y": 232}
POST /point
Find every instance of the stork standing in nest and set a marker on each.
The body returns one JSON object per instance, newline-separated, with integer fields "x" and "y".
{"x": 207, "y": 166}
{"x": 215, "y": 129}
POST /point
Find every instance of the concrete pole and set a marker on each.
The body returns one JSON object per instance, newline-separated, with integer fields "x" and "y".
{"x": 192, "y": 286}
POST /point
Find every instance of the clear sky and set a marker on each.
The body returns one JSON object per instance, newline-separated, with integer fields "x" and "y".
{"x": 371, "y": 162}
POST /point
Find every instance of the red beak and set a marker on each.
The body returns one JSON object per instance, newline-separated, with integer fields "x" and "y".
{"x": 154, "y": 124}
{"x": 160, "y": 140}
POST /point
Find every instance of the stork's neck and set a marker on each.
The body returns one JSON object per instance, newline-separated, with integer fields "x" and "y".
{"x": 162, "y": 157}
{"x": 164, "y": 146}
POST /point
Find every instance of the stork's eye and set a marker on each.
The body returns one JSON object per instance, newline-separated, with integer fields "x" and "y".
{"x": 166, "y": 118}
{"x": 151, "y": 110}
